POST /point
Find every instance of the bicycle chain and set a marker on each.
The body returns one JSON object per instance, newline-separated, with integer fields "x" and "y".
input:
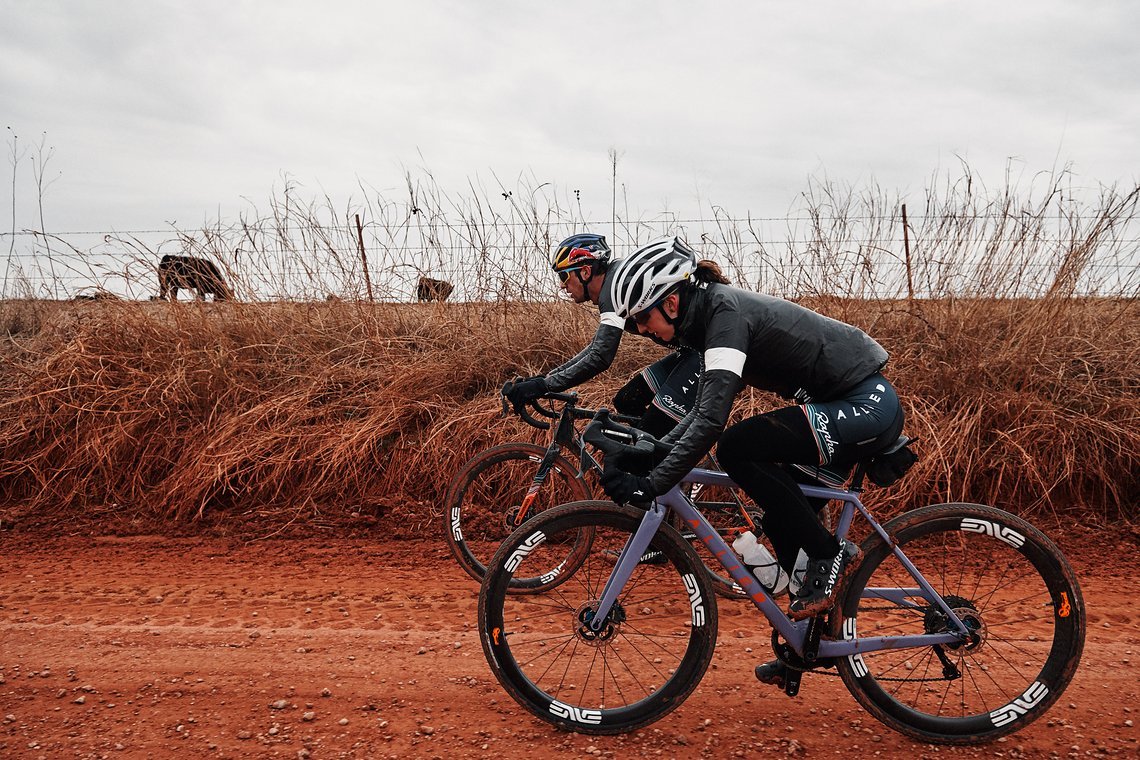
{"x": 821, "y": 671}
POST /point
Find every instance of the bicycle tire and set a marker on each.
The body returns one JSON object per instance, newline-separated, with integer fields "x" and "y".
{"x": 999, "y": 574}
{"x": 478, "y": 506}
{"x": 648, "y": 659}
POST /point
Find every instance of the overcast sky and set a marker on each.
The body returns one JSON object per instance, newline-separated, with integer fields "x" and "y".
{"x": 162, "y": 113}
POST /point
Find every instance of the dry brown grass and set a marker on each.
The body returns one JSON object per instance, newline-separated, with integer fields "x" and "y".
{"x": 270, "y": 417}
{"x": 265, "y": 419}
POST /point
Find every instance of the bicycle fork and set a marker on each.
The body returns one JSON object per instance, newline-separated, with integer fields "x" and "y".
{"x": 628, "y": 560}
{"x": 544, "y": 469}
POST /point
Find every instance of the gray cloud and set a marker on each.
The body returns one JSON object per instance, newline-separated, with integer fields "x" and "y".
{"x": 164, "y": 111}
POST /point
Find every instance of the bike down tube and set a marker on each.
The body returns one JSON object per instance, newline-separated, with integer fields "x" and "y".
{"x": 795, "y": 633}
{"x": 628, "y": 560}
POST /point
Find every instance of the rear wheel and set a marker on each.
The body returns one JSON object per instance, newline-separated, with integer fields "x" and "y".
{"x": 1006, "y": 581}
{"x": 482, "y": 504}
{"x": 649, "y": 655}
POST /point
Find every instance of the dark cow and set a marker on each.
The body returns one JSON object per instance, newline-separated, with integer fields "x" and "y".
{"x": 191, "y": 273}
{"x": 433, "y": 290}
{"x": 98, "y": 295}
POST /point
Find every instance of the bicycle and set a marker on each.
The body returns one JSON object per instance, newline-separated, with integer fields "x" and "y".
{"x": 977, "y": 644}
{"x": 499, "y": 488}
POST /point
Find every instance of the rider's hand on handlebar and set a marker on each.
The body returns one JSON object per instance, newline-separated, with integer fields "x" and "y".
{"x": 626, "y": 488}
{"x": 522, "y": 391}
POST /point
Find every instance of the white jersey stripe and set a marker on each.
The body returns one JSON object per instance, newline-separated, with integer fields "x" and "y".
{"x": 613, "y": 320}
{"x": 729, "y": 359}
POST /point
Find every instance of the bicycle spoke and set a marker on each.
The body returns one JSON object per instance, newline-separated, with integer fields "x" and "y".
{"x": 997, "y": 575}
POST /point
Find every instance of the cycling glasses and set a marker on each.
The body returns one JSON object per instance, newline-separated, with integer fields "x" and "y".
{"x": 642, "y": 316}
{"x": 564, "y": 274}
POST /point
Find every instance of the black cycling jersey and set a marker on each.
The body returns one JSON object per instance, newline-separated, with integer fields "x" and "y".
{"x": 765, "y": 342}
{"x": 599, "y": 353}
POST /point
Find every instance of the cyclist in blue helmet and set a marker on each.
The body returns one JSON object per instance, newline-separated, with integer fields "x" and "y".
{"x": 659, "y": 394}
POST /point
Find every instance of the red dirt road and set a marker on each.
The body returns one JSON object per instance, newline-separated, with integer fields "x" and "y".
{"x": 154, "y": 647}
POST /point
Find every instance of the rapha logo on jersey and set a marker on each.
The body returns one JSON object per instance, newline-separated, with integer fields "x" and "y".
{"x": 671, "y": 405}
{"x": 856, "y": 659}
{"x": 524, "y": 549}
{"x": 1020, "y": 706}
{"x": 695, "y": 600}
{"x": 576, "y": 714}
{"x": 1001, "y": 532}
{"x": 824, "y": 435}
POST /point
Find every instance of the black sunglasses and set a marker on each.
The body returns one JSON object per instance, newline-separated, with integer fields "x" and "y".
{"x": 642, "y": 316}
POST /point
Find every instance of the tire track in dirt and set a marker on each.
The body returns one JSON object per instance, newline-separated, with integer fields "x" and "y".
{"x": 148, "y": 647}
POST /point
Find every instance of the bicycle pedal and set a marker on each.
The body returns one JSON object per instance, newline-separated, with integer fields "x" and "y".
{"x": 792, "y": 682}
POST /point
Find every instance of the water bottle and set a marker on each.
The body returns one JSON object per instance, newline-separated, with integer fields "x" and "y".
{"x": 761, "y": 562}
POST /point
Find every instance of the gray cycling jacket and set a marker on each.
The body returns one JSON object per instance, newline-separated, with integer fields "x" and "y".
{"x": 599, "y": 353}
{"x": 753, "y": 339}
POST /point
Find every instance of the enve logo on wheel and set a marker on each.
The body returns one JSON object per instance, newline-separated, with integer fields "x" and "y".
{"x": 576, "y": 714}
{"x": 695, "y": 600}
{"x": 1000, "y": 532}
{"x": 526, "y": 548}
{"x": 1020, "y": 706}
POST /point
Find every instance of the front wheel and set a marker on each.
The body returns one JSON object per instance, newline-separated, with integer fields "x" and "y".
{"x": 646, "y": 658}
{"x": 1006, "y": 581}
{"x": 486, "y": 499}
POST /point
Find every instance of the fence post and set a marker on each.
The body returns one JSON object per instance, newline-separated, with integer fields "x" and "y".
{"x": 906, "y": 248}
{"x": 363, "y": 257}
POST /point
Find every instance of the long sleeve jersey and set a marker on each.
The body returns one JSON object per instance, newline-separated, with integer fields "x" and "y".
{"x": 769, "y": 343}
{"x": 598, "y": 354}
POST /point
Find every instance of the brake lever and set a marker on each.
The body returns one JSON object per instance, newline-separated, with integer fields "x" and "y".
{"x": 520, "y": 411}
{"x": 604, "y": 434}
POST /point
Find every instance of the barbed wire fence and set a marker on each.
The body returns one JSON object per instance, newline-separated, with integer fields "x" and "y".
{"x": 844, "y": 244}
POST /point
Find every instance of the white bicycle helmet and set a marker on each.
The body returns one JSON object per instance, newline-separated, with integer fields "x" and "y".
{"x": 649, "y": 274}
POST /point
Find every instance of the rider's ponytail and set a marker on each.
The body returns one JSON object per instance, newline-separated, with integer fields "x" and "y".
{"x": 708, "y": 271}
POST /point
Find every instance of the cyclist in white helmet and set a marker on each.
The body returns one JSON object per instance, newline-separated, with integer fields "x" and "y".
{"x": 659, "y": 394}
{"x": 844, "y": 410}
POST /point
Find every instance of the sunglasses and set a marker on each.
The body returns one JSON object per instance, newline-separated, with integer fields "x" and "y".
{"x": 564, "y": 274}
{"x": 642, "y": 317}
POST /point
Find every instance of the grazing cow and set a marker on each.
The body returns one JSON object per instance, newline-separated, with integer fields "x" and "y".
{"x": 191, "y": 273}
{"x": 433, "y": 290}
{"x": 98, "y": 295}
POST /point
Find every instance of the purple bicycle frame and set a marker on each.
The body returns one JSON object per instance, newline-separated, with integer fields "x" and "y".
{"x": 794, "y": 633}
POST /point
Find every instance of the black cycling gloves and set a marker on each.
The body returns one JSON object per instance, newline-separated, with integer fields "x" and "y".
{"x": 526, "y": 390}
{"x": 626, "y": 488}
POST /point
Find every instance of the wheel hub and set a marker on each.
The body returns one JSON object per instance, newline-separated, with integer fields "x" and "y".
{"x": 935, "y": 621}
{"x": 610, "y": 627}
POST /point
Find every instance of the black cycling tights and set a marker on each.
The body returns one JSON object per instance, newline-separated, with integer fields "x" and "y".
{"x": 748, "y": 452}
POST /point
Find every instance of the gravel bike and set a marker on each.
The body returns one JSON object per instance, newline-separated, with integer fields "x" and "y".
{"x": 499, "y": 488}
{"x": 959, "y": 624}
